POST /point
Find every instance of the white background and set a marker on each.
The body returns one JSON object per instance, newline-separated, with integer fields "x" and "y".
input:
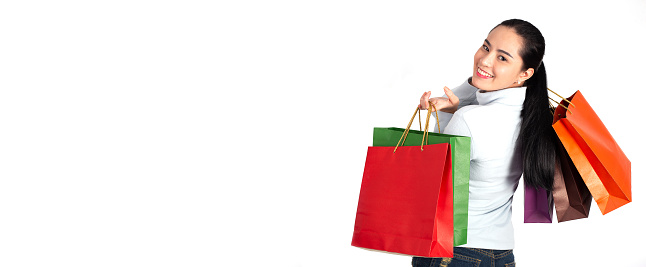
{"x": 234, "y": 133}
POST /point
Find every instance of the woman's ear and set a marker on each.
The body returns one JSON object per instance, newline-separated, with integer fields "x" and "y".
{"x": 525, "y": 75}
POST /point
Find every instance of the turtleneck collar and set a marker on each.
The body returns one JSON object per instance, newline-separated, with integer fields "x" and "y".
{"x": 510, "y": 96}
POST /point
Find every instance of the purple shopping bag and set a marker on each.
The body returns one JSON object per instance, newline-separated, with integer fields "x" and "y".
{"x": 539, "y": 205}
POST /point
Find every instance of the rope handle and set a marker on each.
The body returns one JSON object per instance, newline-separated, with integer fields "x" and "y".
{"x": 402, "y": 139}
{"x": 565, "y": 99}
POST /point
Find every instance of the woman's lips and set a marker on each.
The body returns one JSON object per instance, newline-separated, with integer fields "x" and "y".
{"x": 483, "y": 74}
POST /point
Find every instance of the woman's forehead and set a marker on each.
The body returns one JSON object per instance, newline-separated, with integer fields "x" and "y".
{"x": 505, "y": 38}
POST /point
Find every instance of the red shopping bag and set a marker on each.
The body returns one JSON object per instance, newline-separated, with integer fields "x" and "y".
{"x": 406, "y": 201}
{"x": 599, "y": 160}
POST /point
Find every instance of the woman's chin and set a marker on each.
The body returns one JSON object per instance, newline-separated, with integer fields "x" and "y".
{"x": 479, "y": 83}
{"x": 487, "y": 84}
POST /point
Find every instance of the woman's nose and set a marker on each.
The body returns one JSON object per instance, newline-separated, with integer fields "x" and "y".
{"x": 487, "y": 60}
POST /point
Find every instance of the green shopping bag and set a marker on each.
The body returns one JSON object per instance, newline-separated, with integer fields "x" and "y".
{"x": 461, "y": 156}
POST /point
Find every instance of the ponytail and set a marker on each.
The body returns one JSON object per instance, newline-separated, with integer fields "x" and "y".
{"x": 537, "y": 138}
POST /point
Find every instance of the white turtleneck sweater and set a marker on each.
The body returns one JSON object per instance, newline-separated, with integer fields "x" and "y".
{"x": 492, "y": 120}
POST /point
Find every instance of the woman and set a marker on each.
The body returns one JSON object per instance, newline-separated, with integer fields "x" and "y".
{"x": 504, "y": 108}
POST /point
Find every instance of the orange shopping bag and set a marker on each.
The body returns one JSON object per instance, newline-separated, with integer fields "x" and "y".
{"x": 604, "y": 167}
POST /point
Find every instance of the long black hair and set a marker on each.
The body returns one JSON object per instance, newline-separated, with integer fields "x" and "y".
{"x": 537, "y": 139}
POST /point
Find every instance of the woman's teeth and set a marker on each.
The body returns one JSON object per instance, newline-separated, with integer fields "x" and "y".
{"x": 483, "y": 73}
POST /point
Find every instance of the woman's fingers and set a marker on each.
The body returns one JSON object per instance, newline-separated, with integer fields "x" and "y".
{"x": 452, "y": 97}
{"x": 423, "y": 101}
{"x": 446, "y": 104}
{"x": 439, "y": 102}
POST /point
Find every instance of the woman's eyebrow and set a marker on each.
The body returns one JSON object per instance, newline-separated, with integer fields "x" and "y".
{"x": 499, "y": 50}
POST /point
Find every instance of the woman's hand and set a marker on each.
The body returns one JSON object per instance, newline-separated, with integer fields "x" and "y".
{"x": 449, "y": 105}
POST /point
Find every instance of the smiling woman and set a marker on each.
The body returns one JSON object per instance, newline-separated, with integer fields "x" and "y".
{"x": 508, "y": 93}
{"x": 494, "y": 65}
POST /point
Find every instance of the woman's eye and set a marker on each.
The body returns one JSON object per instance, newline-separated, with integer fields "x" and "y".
{"x": 485, "y": 48}
{"x": 502, "y": 58}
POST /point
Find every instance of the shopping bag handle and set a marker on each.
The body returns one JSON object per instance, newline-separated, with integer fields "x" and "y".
{"x": 560, "y": 102}
{"x": 425, "y": 136}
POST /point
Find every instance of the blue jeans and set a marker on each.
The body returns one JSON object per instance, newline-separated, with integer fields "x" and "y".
{"x": 471, "y": 257}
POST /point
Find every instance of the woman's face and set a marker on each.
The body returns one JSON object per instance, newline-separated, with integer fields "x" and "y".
{"x": 497, "y": 64}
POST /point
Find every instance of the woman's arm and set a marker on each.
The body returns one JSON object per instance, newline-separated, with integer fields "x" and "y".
{"x": 447, "y": 105}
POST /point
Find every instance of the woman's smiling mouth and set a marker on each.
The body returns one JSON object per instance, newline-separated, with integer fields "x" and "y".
{"x": 483, "y": 74}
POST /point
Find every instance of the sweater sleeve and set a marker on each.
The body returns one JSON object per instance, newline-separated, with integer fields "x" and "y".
{"x": 459, "y": 126}
{"x": 467, "y": 95}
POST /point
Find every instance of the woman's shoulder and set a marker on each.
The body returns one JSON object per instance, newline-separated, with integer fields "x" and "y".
{"x": 482, "y": 110}
{"x": 483, "y": 115}
{"x": 462, "y": 121}
{"x": 469, "y": 110}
